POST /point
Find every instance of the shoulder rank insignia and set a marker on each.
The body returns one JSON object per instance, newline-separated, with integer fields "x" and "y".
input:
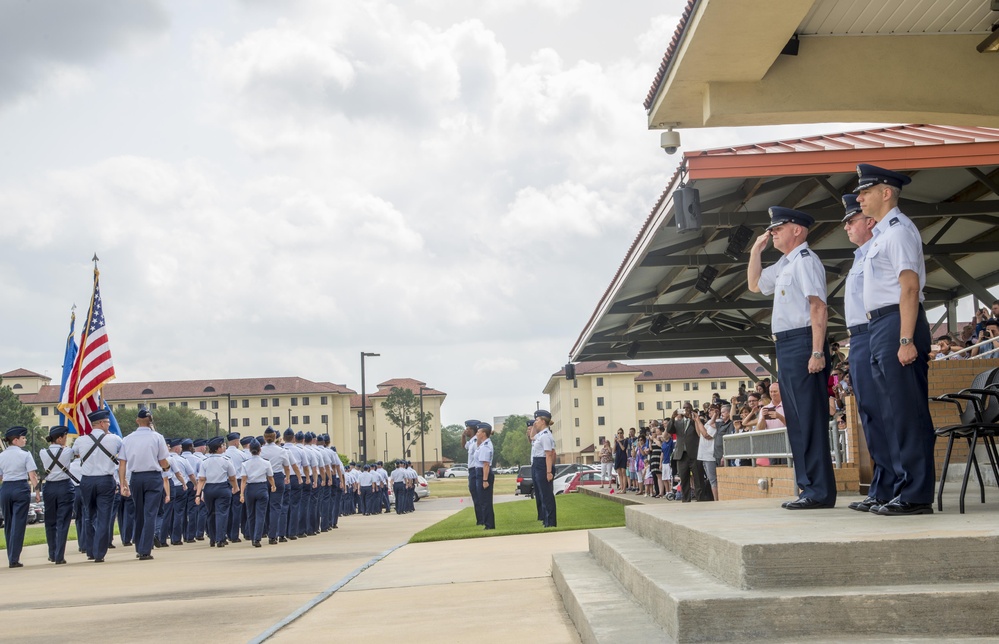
{"x": 804, "y": 252}
{"x": 894, "y": 220}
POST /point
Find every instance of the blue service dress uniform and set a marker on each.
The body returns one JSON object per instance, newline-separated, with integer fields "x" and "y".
{"x": 544, "y": 490}
{"x": 142, "y": 451}
{"x": 98, "y": 458}
{"x": 256, "y": 471}
{"x": 484, "y": 455}
{"x": 216, "y": 491}
{"x": 795, "y": 277}
{"x": 57, "y": 493}
{"x": 474, "y": 477}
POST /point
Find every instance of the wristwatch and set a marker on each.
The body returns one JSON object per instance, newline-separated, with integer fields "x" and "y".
{"x": 905, "y": 341}
{"x": 818, "y": 354}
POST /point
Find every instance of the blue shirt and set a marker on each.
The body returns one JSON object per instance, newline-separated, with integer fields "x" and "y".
{"x": 471, "y": 446}
{"x": 216, "y": 469}
{"x": 895, "y": 247}
{"x": 795, "y": 277}
{"x": 98, "y": 464}
{"x": 15, "y": 463}
{"x": 853, "y": 297}
{"x": 543, "y": 442}
{"x": 485, "y": 453}
{"x": 142, "y": 450}
{"x": 257, "y": 469}
{"x": 278, "y": 457}
{"x": 236, "y": 456}
{"x": 48, "y": 457}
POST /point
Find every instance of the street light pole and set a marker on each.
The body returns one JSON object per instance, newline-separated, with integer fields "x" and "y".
{"x": 423, "y": 430}
{"x": 362, "y": 430}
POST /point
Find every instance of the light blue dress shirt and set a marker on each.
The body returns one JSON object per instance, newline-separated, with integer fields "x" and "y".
{"x": 795, "y": 277}
{"x": 853, "y": 297}
{"x": 895, "y": 247}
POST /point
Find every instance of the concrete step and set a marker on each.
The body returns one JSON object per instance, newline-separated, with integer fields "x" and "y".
{"x": 691, "y": 605}
{"x": 756, "y": 544}
{"x": 601, "y": 609}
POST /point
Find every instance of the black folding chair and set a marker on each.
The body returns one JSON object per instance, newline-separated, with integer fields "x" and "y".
{"x": 978, "y": 409}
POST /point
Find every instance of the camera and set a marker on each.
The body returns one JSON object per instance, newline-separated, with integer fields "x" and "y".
{"x": 669, "y": 141}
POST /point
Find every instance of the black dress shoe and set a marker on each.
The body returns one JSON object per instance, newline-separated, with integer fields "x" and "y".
{"x": 60, "y": 562}
{"x": 89, "y": 558}
{"x": 903, "y": 508}
{"x": 256, "y": 544}
{"x": 211, "y": 544}
{"x": 199, "y": 538}
{"x": 145, "y": 557}
{"x": 865, "y": 505}
{"x": 237, "y": 540}
{"x": 292, "y": 538}
{"x": 282, "y": 540}
{"x": 111, "y": 545}
{"x": 221, "y": 544}
{"x": 805, "y": 503}
{"x": 787, "y": 503}
{"x": 101, "y": 560}
{"x": 126, "y": 543}
{"x": 881, "y": 502}
{"x": 16, "y": 564}
{"x": 156, "y": 543}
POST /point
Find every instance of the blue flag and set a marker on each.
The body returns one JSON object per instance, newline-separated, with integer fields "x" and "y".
{"x": 67, "y": 367}
{"x": 114, "y": 429}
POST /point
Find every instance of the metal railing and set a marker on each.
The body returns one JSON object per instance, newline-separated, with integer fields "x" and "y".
{"x": 773, "y": 443}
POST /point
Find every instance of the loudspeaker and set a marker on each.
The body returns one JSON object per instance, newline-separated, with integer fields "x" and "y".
{"x": 570, "y": 371}
{"x": 687, "y": 209}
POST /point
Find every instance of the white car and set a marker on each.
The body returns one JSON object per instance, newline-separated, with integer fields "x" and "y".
{"x": 458, "y": 471}
{"x": 559, "y": 483}
{"x": 422, "y": 490}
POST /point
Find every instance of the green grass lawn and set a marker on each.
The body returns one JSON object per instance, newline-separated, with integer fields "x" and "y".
{"x": 35, "y": 534}
{"x": 449, "y": 488}
{"x": 575, "y": 512}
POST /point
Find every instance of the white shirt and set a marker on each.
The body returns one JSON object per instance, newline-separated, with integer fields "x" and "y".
{"x": 399, "y": 475}
{"x": 543, "y": 442}
{"x": 795, "y": 277}
{"x": 216, "y": 469}
{"x": 853, "y": 297}
{"x": 471, "y": 446}
{"x": 278, "y": 458}
{"x": 365, "y": 478}
{"x": 895, "y": 247}
{"x": 15, "y": 463}
{"x": 48, "y": 457}
{"x": 257, "y": 469}
{"x": 237, "y": 457}
{"x": 706, "y": 448}
{"x": 484, "y": 453}
{"x": 142, "y": 450}
{"x": 98, "y": 464}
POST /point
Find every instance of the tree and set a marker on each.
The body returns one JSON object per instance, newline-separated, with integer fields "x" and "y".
{"x": 516, "y": 446}
{"x": 402, "y": 408}
{"x": 452, "y": 444}
{"x": 176, "y": 422}
{"x": 14, "y": 413}
{"x": 497, "y": 438}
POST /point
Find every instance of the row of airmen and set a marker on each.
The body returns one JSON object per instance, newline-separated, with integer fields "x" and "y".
{"x": 177, "y": 493}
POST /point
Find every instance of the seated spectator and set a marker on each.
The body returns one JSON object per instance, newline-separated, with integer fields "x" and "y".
{"x": 991, "y": 333}
{"x": 944, "y": 349}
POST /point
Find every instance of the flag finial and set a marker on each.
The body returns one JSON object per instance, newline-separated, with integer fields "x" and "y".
{"x": 95, "y": 259}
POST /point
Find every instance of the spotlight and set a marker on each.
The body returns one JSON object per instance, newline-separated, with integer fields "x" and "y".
{"x": 570, "y": 371}
{"x": 633, "y": 349}
{"x": 704, "y": 280}
{"x": 659, "y": 324}
{"x": 738, "y": 238}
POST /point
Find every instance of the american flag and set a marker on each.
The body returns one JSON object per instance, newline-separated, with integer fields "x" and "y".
{"x": 91, "y": 369}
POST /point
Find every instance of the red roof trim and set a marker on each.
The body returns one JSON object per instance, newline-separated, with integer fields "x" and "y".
{"x": 667, "y": 61}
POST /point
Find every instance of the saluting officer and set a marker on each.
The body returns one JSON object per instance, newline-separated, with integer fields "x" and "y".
{"x": 798, "y": 283}
{"x": 216, "y": 487}
{"x": 859, "y": 228}
{"x": 98, "y": 452}
{"x": 17, "y": 468}
{"x": 484, "y": 455}
{"x": 57, "y": 491}
{"x": 141, "y": 467}
{"x": 543, "y": 466}
{"x": 894, "y": 278}
{"x": 471, "y": 427}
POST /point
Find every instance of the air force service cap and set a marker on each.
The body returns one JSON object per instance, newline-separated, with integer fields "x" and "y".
{"x": 850, "y": 205}
{"x": 871, "y": 175}
{"x": 543, "y": 413}
{"x": 471, "y": 423}
{"x": 780, "y": 215}
{"x": 99, "y": 415}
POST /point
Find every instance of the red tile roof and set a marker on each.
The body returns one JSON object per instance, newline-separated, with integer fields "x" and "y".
{"x": 385, "y": 388}
{"x": 22, "y": 373}
{"x": 193, "y": 389}
{"x": 668, "y": 56}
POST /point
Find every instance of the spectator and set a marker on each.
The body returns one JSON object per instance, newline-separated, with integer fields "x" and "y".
{"x": 944, "y": 349}
{"x": 990, "y": 333}
{"x": 967, "y": 335}
{"x": 752, "y": 417}
{"x": 685, "y": 451}
{"x": 707, "y": 478}
{"x": 723, "y": 426}
{"x": 837, "y": 355}
{"x": 621, "y": 460}
{"x": 606, "y": 463}
{"x": 771, "y": 416}
{"x": 656, "y": 462}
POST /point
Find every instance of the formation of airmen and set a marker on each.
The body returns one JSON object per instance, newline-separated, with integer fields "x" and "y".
{"x": 170, "y": 492}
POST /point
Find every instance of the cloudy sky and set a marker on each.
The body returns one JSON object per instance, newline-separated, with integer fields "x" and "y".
{"x": 274, "y": 187}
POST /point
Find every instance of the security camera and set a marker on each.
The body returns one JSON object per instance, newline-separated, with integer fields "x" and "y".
{"x": 669, "y": 141}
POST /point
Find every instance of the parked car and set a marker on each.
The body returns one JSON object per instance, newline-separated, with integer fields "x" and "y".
{"x": 422, "y": 490}
{"x": 459, "y": 471}
{"x": 582, "y": 478}
{"x": 525, "y": 484}
{"x": 440, "y": 472}
{"x": 36, "y": 513}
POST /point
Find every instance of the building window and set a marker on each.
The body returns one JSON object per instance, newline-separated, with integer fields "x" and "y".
{"x": 203, "y": 404}
{"x": 697, "y": 404}
{"x": 575, "y": 384}
{"x": 45, "y": 411}
{"x": 294, "y": 402}
{"x": 305, "y": 420}
{"x": 171, "y": 404}
{"x": 183, "y": 403}
{"x": 576, "y": 423}
{"x": 263, "y": 402}
{"x": 275, "y": 402}
{"x": 233, "y": 403}
{"x": 152, "y": 406}
{"x": 686, "y": 386}
{"x": 600, "y": 420}
{"x": 294, "y": 420}
{"x": 277, "y": 421}
{"x": 696, "y": 385}
{"x": 263, "y": 421}
{"x": 575, "y": 402}
{"x": 324, "y": 419}
{"x": 600, "y": 401}
{"x": 667, "y": 386}
{"x": 641, "y": 388}
{"x": 669, "y": 404}
{"x": 641, "y": 406}
{"x": 234, "y": 422}
{"x": 659, "y": 386}
{"x": 305, "y": 401}
{"x": 121, "y": 406}
{"x": 714, "y": 385}
{"x": 721, "y": 385}
{"x": 577, "y": 441}
{"x": 246, "y": 422}
{"x": 600, "y": 382}
{"x": 246, "y": 403}
{"x": 324, "y": 400}
{"x": 215, "y": 404}
{"x": 659, "y": 405}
